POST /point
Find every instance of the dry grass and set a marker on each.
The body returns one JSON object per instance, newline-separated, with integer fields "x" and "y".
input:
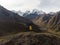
{"x": 30, "y": 38}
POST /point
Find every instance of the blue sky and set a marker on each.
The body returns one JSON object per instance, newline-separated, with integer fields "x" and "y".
{"x": 45, "y": 5}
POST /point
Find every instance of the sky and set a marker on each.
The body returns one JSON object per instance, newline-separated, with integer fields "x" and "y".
{"x": 23, "y": 5}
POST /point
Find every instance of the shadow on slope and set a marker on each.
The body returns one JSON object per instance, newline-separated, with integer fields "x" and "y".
{"x": 11, "y": 22}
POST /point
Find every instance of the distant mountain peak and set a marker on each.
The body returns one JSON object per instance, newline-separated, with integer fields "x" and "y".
{"x": 38, "y": 11}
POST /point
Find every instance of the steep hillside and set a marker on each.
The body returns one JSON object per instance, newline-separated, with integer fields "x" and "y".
{"x": 54, "y": 22}
{"x": 48, "y": 21}
{"x": 11, "y": 22}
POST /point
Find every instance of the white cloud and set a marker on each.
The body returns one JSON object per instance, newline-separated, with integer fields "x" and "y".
{"x": 46, "y": 5}
{"x": 19, "y": 4}
{"x": 50, "y": 5}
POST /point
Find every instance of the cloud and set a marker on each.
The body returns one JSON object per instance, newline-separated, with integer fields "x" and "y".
{"x": 46, "y": 5}
{"x": 19, "y": 4}
{"x": 49, "y": 5}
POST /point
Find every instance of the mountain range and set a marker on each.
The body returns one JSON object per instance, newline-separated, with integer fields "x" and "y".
{"x": 47, "y": 21}
{"x": 29, "y": 28}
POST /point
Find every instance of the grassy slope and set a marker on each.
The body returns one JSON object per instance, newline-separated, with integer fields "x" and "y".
{"x": 30, "y": 38}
